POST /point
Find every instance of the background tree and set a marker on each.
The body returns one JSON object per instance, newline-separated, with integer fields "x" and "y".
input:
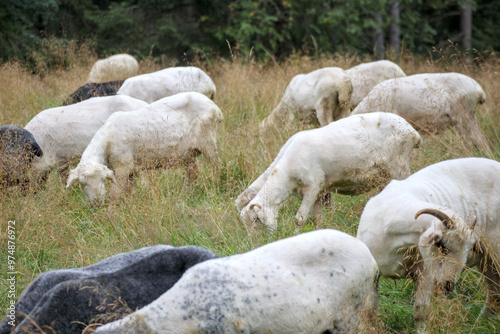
{"x": 183, "y": 29}
{"x": 466, "y": 25}
{"x": 19, "y": 23}
{"x": 394, "y": 32}
{"x": 379, "y": 37}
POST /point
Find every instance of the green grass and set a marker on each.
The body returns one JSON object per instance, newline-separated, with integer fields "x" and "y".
{"x": 56, "y": 228}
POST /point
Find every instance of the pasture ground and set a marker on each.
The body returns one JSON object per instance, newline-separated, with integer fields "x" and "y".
{"x": 56, "y": 228}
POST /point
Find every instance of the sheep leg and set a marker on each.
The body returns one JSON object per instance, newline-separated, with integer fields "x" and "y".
{"x": 345, "y": 109}
{"x": 317, "y": 216}
{"x": 309, "y": 199}
{"x": 123, "y": 183}
{"x": 492, "y": 279}
{"x": 324, "y": 112}
{"x": 192, "y": 169}
{"x": 39, "y": 179}
{"x": 326, "y": 199}
{"x": 63, "y": 171}
{"x": 369, "y": 313}
{"x": 422, "y": 302}
{"x": 144, "y": 178}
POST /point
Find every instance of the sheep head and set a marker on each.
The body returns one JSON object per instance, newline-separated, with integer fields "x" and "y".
{"x": 245, "y": 197}
{"x": 206, "y": 128}
{"x": 255, "y": 216}
{"x": 445, "y": 246}
{"x": 92, "y": 176}
{"x": 404, "y": 141}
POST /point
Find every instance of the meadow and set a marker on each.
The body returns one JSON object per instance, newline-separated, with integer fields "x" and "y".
{"x": 56, "y": 228}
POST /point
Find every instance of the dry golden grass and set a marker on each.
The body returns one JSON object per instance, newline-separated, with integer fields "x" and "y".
{"x": 55, "y": 227}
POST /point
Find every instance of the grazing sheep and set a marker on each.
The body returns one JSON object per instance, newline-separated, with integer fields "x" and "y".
{"x": 433, "y": 224}
{"x": 18, "y": 147}
{"x": 430, "y": 102}
{"x": 367, "y": 75}
{"x": 322, "y": 94}
{"x": 67, "y": 300}
{"x": 117, "y": 67}
{"x": 313, "y": 283}
{"x": 171, "y": 131}
{"x": 93, "y": 89}
{"x": 468, "y": 91}
{"x": 63, "y": 133}
{"x": 151, "y": 87}
{"x": 349, "y": 156}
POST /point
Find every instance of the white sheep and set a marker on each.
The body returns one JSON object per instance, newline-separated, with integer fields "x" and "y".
{"x": 322, "y": 95}
{"x": 151, "y": 87}
{"x": 468, "y": 91}
{"x": 433, "y": 224}
{"x": 349, "y": 156}
{"x": 430, "y": 102}
{"x": 171, "y": 131}
{"x": 116, "y": 67}
{"x": 367, "y": 75}
{"x": 63, "y": 133}
{"x": 313, "y": 283}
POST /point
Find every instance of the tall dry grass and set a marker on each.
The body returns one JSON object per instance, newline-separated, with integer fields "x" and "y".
{"x": 56, "y": 228}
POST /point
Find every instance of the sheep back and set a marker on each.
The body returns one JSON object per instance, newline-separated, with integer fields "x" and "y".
{"x": 116, "y": 67}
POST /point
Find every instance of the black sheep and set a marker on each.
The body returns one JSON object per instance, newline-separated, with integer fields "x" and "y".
{"x": 93, "y": 89}
{"x": 18, "y": 147}
{"x": 67, "y": 300}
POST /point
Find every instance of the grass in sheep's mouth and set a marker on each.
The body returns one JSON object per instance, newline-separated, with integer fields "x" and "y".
{"x": 56, "y": 228}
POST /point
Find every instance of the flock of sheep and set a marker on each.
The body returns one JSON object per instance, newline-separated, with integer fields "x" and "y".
{"x": 372, "y": 118}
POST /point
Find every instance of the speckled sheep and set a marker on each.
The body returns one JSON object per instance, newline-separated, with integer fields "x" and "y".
{"x": 313, "y": 283}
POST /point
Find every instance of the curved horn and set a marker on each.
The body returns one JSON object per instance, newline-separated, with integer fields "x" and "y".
{"x": 447, "y": 221}
{"x": 472, "y": 222}
{"x": 73, "y": 176}
{"x": 255, "y": 205}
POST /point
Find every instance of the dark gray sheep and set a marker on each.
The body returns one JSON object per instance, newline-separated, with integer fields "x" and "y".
{"x": 314, "y": 282}
{"x": 67, "y": 300}
{"x": 93, "y": 89}
{"x": 17, "y": 149}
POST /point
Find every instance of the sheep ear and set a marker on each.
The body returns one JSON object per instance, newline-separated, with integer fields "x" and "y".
{"x": 431, "y": 236}
{"x": 472, "y": 222}
{"x": 73, "y": 176}
{"x": 418, "y": 141}
{"x": 110, "y": 175}
{"x": 255, "y": 206}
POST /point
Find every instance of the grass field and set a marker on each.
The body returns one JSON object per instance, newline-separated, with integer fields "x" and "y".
{"x": 56, "y": 228}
